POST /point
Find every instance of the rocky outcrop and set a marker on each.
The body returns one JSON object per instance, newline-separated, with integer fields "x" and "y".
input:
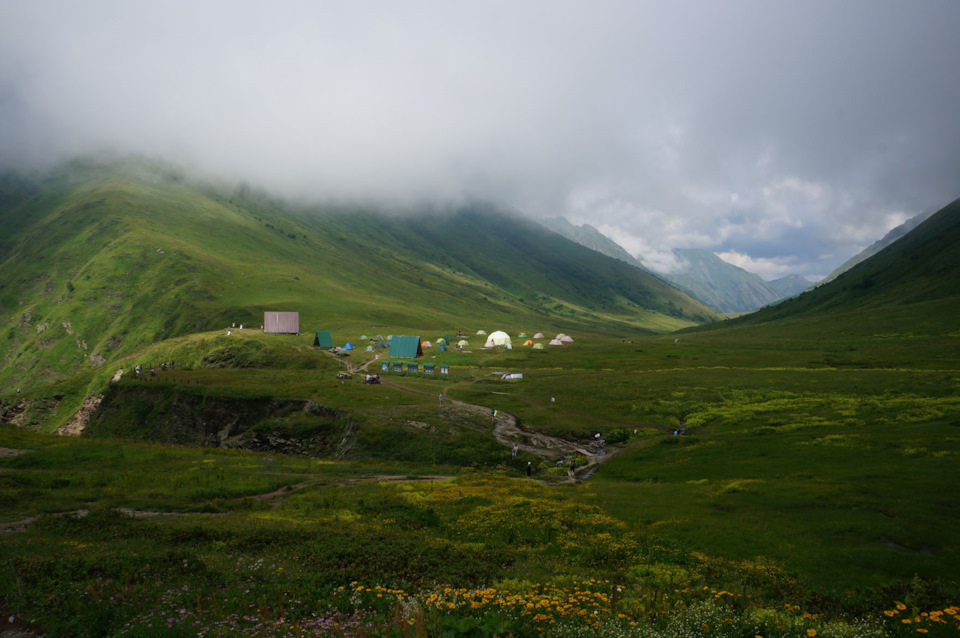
{"x": 13, "y": 413}
{"x": 78, "y": 422}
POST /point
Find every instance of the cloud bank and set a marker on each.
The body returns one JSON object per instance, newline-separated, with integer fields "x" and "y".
{"x": 789, "y": 134}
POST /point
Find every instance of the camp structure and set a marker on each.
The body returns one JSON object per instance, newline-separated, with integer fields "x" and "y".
{"x": 441, "y": 341}
{"x": 323, "y": 339}
{"x": 481, "y": 333}
{"x": 528, "y": 343}
{"x": 539, "y": 335}
{"x": 499, "y": 338}
{"x": 556, "y": 342}
{"x": 349, "y": 346}
{"x": 463, "y": 343}
{"x": 566, "y": 339}
{"x": 364, "y": 338}
{"x": 522, "y": 335}
{"x": 560, "y": 336}
{"x": 378, "y": 338}
{"x": 368, "y": 349}
{"x": 538, "y": 346}
{"x": 282, "y": 322}
{"x": 426, "y": 344}
{"x": 443, "y": 348}
{"x": 405, "y": 347}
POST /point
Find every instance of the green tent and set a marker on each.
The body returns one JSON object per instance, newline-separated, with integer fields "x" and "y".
{"x": 323, "y": 339}
{"x": 405, "y": 346}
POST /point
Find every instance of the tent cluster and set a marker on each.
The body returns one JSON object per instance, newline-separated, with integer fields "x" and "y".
{"x": 413, "y": 346}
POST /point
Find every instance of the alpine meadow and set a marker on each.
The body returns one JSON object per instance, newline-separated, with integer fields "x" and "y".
{"x": 623, "y": 461}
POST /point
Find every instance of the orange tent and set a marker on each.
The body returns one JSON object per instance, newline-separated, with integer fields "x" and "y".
{"x": 528, "y": 343}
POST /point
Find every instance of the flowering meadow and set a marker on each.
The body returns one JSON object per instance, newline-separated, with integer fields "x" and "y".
{"x": 479, "y": 555}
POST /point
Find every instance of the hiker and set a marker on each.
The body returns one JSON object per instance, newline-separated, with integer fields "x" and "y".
{"x": 163, "y": 366}
{"x": 529, "y": 468}
{"x": 553, "y": 401}
{"x": 516, "y": 448}
{"x": 441, "y": 398}
{"x": 573, "y": 466}
{"x": 153, "y": 372}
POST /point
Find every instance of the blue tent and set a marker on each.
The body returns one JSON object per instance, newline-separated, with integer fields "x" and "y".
{"x": 349, "y": 346}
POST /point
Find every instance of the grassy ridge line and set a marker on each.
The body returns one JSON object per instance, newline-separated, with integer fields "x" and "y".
{"x": 132, "y": 258}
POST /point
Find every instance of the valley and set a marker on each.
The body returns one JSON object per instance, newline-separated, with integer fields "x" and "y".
{"x": 786, "y": 473}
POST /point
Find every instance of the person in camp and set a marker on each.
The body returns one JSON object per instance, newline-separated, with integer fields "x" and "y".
{"x": 529, "y": 468}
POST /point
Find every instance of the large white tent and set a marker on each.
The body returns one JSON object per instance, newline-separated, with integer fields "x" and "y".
{"x": 499, "y": 338}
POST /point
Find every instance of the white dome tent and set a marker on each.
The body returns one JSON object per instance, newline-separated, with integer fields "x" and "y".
{"x": 499, "y": 338}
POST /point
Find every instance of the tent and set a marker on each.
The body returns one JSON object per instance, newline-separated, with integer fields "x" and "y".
{"x": 499, "y": 338}
{"x": 538, "y": 346}
{"x": 284, "y": 322}
{"x": 323, "y": 339}
{"x": 556, "y": 342}
{"x": 443, "y": 348}
{"x": 441, "y": 342}
{"x": 378, "y": 338}
{"x": 405, "y": 346}
{"x": 528, "y": 343}
{"x": 522, "y": 335}
{"x": 539, "y": 335}
{"x": 481, "y": 332}
{"x": 369, "y": 349}
{"x": 349, "y": 346}
{"x": 463, "y": 343}
{"x": 489, "y": 344}
{"x": 426, "y": 344}
{"x": 566, "y": 339}
{"x": 560, "y": 336}
{"x": 364, "y": 338}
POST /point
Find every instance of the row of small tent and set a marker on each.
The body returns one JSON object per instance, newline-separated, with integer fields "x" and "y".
{"x": 496, "y": 339}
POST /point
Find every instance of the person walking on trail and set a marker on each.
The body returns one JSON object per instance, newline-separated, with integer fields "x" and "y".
{"x": 493, "y": 415}
{"x": 529, "y": 468}
{"x": 516, "y": 448}
{"x": 441, "y": 398}
{"x": 573, "y": 467}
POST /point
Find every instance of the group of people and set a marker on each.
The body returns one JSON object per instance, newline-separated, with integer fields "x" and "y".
{"x": 153, "y": 370}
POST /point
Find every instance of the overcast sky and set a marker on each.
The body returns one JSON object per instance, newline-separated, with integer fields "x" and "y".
{"x": 783, "y": 135}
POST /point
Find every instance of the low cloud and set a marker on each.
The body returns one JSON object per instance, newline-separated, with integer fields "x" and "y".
{"x": 789, "y": 133}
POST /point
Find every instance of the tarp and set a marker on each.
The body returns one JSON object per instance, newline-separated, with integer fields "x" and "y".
{"x": 539, "y": 335}
{"x": 538, "y": 346}
{"x": 405, "y": 346}
{"x": 282, "y": 322}
{"x": 323, "y": 339}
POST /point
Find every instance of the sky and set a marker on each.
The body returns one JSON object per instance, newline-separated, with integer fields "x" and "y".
{"x": 785, "y": 136}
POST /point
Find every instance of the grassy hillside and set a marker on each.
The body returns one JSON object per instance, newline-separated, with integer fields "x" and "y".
{"x": 913, "y": 285}
{"x": 100, "y": 261}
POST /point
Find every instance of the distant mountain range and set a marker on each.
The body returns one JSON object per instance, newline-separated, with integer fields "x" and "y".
{"x": 722, "y": 286}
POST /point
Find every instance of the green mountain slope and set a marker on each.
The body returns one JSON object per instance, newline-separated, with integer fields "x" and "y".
{"x": 912, "y": 285}
{"x": 99, "y": 261}
{"x": 880, "y": 244}
{"x": 587, "y": 235}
